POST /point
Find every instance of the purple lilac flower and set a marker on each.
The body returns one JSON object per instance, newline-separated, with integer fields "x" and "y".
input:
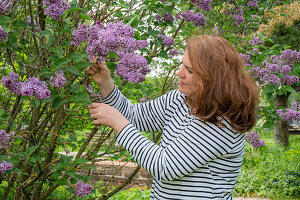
{"x": 276, "y": 69}
{"x": 82, "y": 189}
{"x": 238, "y": 16}
{"x": 203, "y": 4}
{"x": 118, "y": 38}
{"x": 132, "y": 67}
{"x": 173, "y": 52}
{"x": 11, "y": 82}
{"x": 4, "y": 139}
{"x": 198, "y": 18}
{"x": 290, "y": 114}
{"x": 3, "y": 34}
{"x": 5, "y": 6}
{"x": 166, "y": 41}
{"x": 256, "y": 41}
{"x": 5, "y": 166}
{"x": 165, "y": 17}
{"x": 80, "y": 34}
{"x": 253, "y": 139}
{"x": 56, "y": 8}
{"x": 253, "y": 3}
{"x": 58, "y": 81}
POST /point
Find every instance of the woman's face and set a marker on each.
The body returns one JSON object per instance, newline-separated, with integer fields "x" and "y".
{"x": 185, "y": 73}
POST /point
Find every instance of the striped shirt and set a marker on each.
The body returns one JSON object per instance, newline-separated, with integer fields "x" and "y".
{"x": 194, "y": 160}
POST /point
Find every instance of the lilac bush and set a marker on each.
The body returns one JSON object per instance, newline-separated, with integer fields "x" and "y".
{"x": 203, "y": 4}
{"x": 166, "y": 41}
{"x": 173, "y": 52}
{"x": 5, "y": 6}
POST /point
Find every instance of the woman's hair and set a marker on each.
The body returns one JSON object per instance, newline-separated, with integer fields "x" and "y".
{"x": 223, "y": 87}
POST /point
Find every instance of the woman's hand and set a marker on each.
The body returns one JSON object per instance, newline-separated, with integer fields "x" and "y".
{"x": 99, "y": 72}
{"x": 107, "y": 115}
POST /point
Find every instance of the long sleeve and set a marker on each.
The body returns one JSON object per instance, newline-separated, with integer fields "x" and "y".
{"x": 148, "y": 116}
{"x": 199, "y": 144}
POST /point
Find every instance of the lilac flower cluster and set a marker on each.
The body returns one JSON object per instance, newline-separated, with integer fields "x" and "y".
{"x": 5, "y": 166}
{"x": 59, "y": 81}
{"x": 290, "y": 114}
{"x": 203, "y": 4}
{"x": 253, "y": 3}
{"x": 31, "y": 87}
{"x": 276, "y": 69}
{"x": 253, "y": 139}
{"x": 3, "y": 34}
{"x": 118, "y": 38}
{"x": 256, "y": 41}
{"x": 82, "y": 189}
{"x": 5, "y": 6}
{"x": 166, "y": 41}
{"x": 4, "y": 139}
{"x": 173, "y": 52}
{"x": 238, "y": 16}
{"x": 198, "y": 18}
{"x": 132, "y": 67}
{"x": 56, "y": 8}
{"x": 165, "y": 17}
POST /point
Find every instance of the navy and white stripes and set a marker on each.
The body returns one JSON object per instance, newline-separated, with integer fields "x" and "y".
{"x": 194, "y": 160}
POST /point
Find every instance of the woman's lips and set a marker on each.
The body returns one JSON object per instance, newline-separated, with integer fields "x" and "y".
{"x": 181, "y": 83}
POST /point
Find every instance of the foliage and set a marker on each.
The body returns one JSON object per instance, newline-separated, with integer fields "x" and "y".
{"x": 35, "y": 42}
{"x": 270, "y": 171}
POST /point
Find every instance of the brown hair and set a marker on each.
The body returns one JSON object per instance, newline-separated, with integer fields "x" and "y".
{"x": 223, "y": 87}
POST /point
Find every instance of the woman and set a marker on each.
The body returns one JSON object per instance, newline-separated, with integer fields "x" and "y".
{"x": 202, "y": 145}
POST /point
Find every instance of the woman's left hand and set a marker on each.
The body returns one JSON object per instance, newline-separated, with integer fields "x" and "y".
{"x": 107, "y": 115}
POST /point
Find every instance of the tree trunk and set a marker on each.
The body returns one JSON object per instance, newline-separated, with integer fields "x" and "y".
{"x": 281, "y": 128}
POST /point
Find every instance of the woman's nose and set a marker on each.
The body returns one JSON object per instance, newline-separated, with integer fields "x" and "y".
{"x": 180, "y": 72}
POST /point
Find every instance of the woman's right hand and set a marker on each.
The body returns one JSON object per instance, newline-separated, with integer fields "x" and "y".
{"x": 99, "y": 73}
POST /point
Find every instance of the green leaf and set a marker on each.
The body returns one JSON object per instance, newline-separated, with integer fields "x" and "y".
{"x": 163, "y": 54}
{"x": 73, "y": 138}
{"x": 3, "y": 157}
{"x": 30, "y": 150}
{"x": 32, "y": 160}
{"x": 133, "y": 22}
{"x": 288, "y": 88}
{"x": 74, "y": 9}
{"x": 111, "y": 66}
{"x": 72, "y": 69}
{"x": 269, "y": 40}
{"x": 57, "y": 102}
{"x": 85, "y": 16}
{"x": 35, "y": 103}
{"x": 61, "y": 181}
{"x": 65, "y": 159}
{"x": 13, "y": 159}
{"x": 118, "y": 13}
{"x": 12, "y": 37}
{"x": 60, "y": 166}
{"x": 46, "y": 72}
{"x": 45, "y": 32}
{"x": 56, "y": 174}
{"x": 285, "y": 46}
{"x": 137, "y": 35}
{"x": 75, "y": 87}
{"x": 4, "y": 19}
{"x": 73, "y": 180}
{"x": 81, "y": 96}
{"x": 22, "y": 24}
{"x": 80, "y": 161}
{"x": 270, "y": 89}
{"x": 71, "y": 173}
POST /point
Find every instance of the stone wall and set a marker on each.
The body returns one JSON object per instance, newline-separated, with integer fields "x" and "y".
{"x": 118, "y": 172}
